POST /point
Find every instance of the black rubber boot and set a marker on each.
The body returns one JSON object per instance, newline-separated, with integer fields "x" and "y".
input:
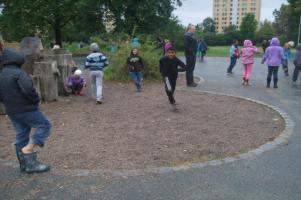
{"x": 21, "y": 160}
{"x": 275, "y": 83}
{"x": 32, "y": 165}
{"x": 268, "y": 82}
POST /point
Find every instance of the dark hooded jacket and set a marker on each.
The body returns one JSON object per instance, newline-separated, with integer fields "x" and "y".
{"x": 16, "y": 87}
{"x": 297, "y": 60}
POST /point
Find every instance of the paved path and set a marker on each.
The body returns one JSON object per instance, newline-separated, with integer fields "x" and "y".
{"x": 274, "y": 175}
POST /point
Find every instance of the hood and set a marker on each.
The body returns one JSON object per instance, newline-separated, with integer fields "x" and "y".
{"x": 12, "y": 57}
{"x": 248, "y": 43}
{"x": 299, "y": 47}
{"x": 275, "y": 42}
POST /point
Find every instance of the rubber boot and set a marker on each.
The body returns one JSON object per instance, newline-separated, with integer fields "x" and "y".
{"x": 275, "y": 83}
{"x": 32, "y": 165}
{"x": 247, "y": 82}
{"x": 21, "y": 160}
{"x": 268, "y": 82}
{"x": 243, "y": 82}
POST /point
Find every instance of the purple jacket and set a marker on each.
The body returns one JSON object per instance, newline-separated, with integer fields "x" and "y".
{"x": 248, "y": 52}
{"x": 74, "y": 81}
{"x": 273, "y": 54}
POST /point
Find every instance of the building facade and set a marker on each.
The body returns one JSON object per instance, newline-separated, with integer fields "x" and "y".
{"x": 231, "y": 12}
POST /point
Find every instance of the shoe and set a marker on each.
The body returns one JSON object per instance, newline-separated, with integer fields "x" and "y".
{"x": 192, "y": 85}
{"x": 98, "y": 102}
{"x": 243, "y": 82}
{"x": 286, "y": 74}
{"x": 32, "y": 165}
{"x": 174, "y": 108}
{"x": 21, "y": 160}
{"x": 275, "y": 86}
{"x": 247, "y": 82}
{"x": 267, "y": 86}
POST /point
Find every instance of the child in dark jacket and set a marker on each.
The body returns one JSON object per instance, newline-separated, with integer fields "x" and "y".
{"x": 169, "y": 71}
{"x": 135, "y": 65}
{"x": 297, "y": 63}
{"x": 21, "y": 103}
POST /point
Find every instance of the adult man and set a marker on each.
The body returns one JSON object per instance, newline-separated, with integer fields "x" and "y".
{"x": 21, "y": 103}
{"x": 191, "y": 46}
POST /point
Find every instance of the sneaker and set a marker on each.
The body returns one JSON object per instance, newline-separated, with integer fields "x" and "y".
{"x": 98, "y": 102}
{"x": 173, "y": 108}
{"x": 192, "y": 85}
{"x": 268, "y": 86}
{"x": 275, "y": 86}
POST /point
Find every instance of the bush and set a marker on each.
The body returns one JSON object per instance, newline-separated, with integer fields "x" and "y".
{"x": 118, "y": 69}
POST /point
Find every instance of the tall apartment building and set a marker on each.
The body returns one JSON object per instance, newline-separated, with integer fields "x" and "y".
{"x": 231, "y": 12}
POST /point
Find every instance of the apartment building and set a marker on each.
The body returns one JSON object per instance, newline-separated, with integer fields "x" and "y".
{"x": 231, "y": 12}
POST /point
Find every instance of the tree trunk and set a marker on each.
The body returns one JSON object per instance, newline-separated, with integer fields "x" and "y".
{"x": 58, "y": 32}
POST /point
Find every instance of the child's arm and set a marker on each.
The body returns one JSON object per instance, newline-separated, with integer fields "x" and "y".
{"x": 265, "y": 56}
{"x": 130, "y": 66}
{"x": 256, "y": 50}
{"x": 181, "y": 64}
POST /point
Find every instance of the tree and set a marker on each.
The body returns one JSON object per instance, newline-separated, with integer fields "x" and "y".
{"x": 208, "y": 25}
{"x": 266, "y": 31}
{"x": 248, "y": 26}
{"x": 23, "y": 17}
{"x": 147, "y": 16}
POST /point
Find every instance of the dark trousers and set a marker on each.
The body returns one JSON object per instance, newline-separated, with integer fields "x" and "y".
{"x": 190, "y": 62}
{"x": 232, "y": 64}
{"x": 296, "y": 73}
{"x": 170, "y": 86}
{"x": 273, "y": 72}
{"x": 285, "y": 67}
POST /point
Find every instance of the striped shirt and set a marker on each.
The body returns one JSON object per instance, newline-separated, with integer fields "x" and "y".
{"x": 96, "y": 62}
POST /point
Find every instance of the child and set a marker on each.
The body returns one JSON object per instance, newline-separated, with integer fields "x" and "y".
{"x": 169, "y": 71}
{"x": 136, "y": 66}
{"x": 297, "y": 63}
{"x": 202, "y": 49}
{"x": 76, "y": 83}
{"x": 96, "y": 62}
{"x": 274, "y": 57}
{"x": 234, "y": 55}
{"x": 247, "y": 60}
{"x": 167, "y": 45}
{"x": 21, "y": 103}
{"x": 287, "y": 57}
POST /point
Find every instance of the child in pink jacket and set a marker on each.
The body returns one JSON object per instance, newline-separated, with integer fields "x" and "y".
{"x": 248, "y": 52}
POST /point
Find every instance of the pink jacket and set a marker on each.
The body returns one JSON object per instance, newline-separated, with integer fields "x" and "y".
{"x": 248, "y": 52}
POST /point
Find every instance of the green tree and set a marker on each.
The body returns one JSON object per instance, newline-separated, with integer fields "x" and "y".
{"x": 208, "y": 25}
{"x": 21, "y": 17}
{"x": 248, "y": 26}
{"x": 266, "y": 31}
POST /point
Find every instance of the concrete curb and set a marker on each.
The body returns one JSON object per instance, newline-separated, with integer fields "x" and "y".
{"x": 282, "y": 139}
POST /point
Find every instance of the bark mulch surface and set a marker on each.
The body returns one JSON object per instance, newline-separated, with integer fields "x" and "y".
{"x": 133, "y": 130}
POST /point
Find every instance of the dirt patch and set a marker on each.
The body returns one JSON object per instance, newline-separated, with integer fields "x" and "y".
{"x": 134, "y": 130}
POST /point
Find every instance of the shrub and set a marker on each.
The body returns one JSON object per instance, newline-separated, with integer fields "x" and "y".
{"x": 118, "y": 69}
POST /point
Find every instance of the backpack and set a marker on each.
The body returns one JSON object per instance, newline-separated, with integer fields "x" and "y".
{"x": 236, "y": 53}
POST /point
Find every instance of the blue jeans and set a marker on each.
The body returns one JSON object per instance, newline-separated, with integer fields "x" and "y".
{"x": 137, "y": 76}
{"x": 232, "y": 64}
{"x": 23, "y": 122}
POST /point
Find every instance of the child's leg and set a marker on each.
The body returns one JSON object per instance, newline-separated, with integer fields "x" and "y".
{"x": 296, "y": 73}
{"x": 244, "y": 76}
{"x": 99, "y": 78}
{"x": 249, "y": 71}
{"x": 285, "y": 67}
{"x": 139, "y": 77}
{"x": 169, "y": 88}
{"x": 269, "y": 77}
{"x": 275, "y": 76}
{"x": 93, "y": 84}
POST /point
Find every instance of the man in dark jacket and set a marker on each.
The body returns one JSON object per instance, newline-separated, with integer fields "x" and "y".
{"x": 21, "y": 103}
{"x": 169, "y": 70}
{"x": 191, "y": 46}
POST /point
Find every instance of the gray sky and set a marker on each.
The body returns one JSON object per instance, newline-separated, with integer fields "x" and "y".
{"x": 195, "y": 11}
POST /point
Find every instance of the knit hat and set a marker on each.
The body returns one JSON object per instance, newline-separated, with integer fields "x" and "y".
{"x": 78, "y": 72}
{"x": 94, "y": 47}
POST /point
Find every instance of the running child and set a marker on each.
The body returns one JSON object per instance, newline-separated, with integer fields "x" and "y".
{"x": 248, "y": 52}
{"x": 169, "y": 70}
{"x": 135, "y": 65}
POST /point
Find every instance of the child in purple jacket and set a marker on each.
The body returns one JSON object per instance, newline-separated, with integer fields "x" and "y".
{"x": 76, "y": 83}
{"x": 274, "y": 58}
{"x": 248, "y": 52}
